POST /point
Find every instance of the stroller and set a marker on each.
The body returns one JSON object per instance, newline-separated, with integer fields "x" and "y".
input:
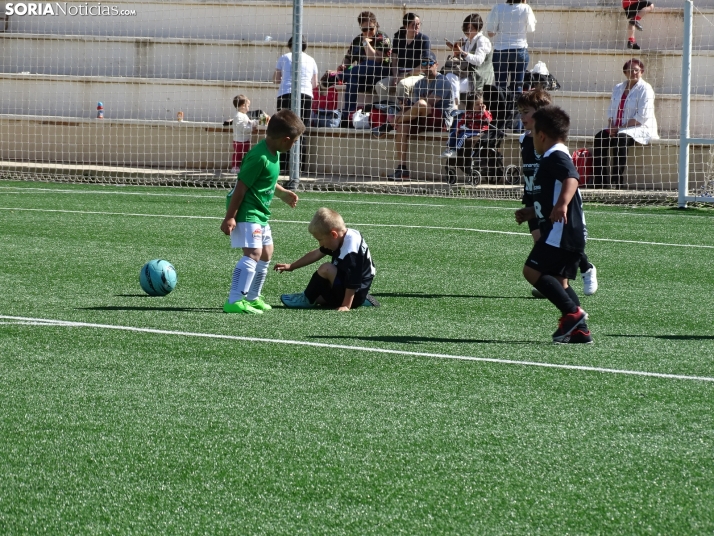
{"x": 481, "y": 156}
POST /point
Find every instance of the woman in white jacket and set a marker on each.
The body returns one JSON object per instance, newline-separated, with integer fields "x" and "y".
{"x": 630, "y": 119}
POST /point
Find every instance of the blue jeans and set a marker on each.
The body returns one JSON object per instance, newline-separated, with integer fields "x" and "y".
{"x": 458, "y": 138}
{"x": 361, "y": 79}
{"x": 512, "y": 62}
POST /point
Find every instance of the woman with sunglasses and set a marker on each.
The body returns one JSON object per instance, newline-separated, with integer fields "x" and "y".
{"x": 630, "y": 119}
{"x": 366, "y": 62}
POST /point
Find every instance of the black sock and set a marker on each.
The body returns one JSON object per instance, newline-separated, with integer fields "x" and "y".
{"x": 316, "y": 287}
{"x": 551, "y": 288}
{"x": 584, "y": 263}
{"x": 572, "y": 295}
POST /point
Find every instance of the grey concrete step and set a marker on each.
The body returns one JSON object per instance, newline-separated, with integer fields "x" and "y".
{"x": 202, "y": 59}
{"x": 152, "y": 98}
{"x": 568, "y": 25}
{"x": 196, "y": 147}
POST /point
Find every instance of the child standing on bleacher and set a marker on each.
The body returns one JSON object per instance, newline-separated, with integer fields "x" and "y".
{"x": 470, "y": 124}
{"x": 634, "y": 11}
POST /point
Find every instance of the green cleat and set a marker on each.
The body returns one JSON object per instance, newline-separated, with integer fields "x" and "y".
{"x": 241, "y": 306}
{"x": 259, "y": 304}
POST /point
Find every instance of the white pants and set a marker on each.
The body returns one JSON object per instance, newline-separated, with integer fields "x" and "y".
{"x": 405, "y": 87}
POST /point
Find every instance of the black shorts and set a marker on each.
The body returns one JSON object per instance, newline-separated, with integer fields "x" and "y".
{"x": 554, "y": 261}
{"x": 336, "y": 294}
{"x": 532, "y": 224}
{"x": 632, "y": 10}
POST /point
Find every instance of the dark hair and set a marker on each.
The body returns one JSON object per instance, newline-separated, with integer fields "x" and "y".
{"x": 472, "y": 98}
{"x": 633, "y": 61}
{"x": 408, "y": 18}
{"x": 474, "y": 20}
{"x": 515, "y": 1}
{"x": 239, "y": 100}
{"x": 285, "y": 124}
{"x": 304, "y": 44}
{"x": 553, "y": 121}
{"x": 367, "y": 16}
{"x": 535, "y": 99}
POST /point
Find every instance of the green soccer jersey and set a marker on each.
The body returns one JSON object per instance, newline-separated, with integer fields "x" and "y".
{"x": 259, "y": 172}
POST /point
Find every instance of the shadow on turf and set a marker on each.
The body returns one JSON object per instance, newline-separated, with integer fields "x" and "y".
{"x": 672, "y": 337}
{"x": 414, "y": 339}
{"x": 149, "y": 308}
{"x": 420, "y": 295}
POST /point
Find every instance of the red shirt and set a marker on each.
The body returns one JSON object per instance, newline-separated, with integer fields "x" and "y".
{"x": 621, "y": 109}
{"x": 474, "y": 120}
{"x": 628, "y": 3}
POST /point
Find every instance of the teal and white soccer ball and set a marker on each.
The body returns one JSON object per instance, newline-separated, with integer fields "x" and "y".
{"x": 158, "y": 277}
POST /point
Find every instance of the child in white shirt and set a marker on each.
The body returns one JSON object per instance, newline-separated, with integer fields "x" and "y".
{"x": 243, "y": 128}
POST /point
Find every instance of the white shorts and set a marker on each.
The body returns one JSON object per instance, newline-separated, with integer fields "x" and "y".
{"x": 251, "y": 235}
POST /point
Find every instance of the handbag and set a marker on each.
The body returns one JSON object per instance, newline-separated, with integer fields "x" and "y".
{"x": 457, "y": 66}
{"x": 326, "y": 118}
{"x": 361, "y": 120}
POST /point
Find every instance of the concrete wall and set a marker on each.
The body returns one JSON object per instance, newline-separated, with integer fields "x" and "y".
{"x": 195, "y": 59}
{"x": 574, "y": 27}
{"x": 202, "y": 146}
{"x": 161, "y": 99}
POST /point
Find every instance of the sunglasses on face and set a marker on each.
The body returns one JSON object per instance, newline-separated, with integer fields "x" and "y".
{"x": 365, "y": 30}
{"x": 428, "y": 63}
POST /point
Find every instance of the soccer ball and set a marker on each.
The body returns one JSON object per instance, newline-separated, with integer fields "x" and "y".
{"x": 158, "y": 277}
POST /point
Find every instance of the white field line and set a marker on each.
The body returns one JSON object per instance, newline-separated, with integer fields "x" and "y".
{"x": 64, "y": 323}
{"x": 590, "y": 209}
{"x": 356, "y": 225}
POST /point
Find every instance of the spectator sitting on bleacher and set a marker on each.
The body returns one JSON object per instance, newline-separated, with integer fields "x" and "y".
{"x": 475, "y": 49}
{"x": 408, "y": 47}
{"x": 429, "y": 110}
{"x": 367, "y": 61}
{"x": 630, "y": 119}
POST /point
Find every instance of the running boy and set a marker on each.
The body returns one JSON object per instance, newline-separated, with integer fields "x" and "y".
{"x": 527, "y": 104}
{"x": 343, "y": 283}
{"x": 248, "y": 212}
{"x": 558, "y": 207}
{"x": 470, "y": 124}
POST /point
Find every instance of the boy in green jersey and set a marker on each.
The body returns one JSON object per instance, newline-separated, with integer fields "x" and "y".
{"x": 246, "y": 220}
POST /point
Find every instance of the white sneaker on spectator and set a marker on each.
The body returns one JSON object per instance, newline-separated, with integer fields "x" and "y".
{"x": 448, "y": 153}
{"x": 590, "y": 281}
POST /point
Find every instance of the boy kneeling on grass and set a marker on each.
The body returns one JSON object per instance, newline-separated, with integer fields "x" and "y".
{"x": 343, "y": 283}
{"x": 558, "y": 207}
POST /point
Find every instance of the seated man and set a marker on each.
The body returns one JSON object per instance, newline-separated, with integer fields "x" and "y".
{"x": 428, "y": 110}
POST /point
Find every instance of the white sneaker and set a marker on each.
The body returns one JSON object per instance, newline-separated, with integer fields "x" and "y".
{"x": 590, "y": 281}
{"x": 447, "y": 154}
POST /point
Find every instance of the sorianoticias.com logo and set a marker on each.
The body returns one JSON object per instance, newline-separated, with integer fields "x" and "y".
{"x": 63, "y": 8}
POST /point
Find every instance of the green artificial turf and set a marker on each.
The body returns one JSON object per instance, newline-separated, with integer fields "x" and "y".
{"x": 178, "y": 431}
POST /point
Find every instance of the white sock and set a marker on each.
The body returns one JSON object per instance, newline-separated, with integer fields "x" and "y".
{"x": 261, "y": 272}
{"x": 242, "y": 279}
